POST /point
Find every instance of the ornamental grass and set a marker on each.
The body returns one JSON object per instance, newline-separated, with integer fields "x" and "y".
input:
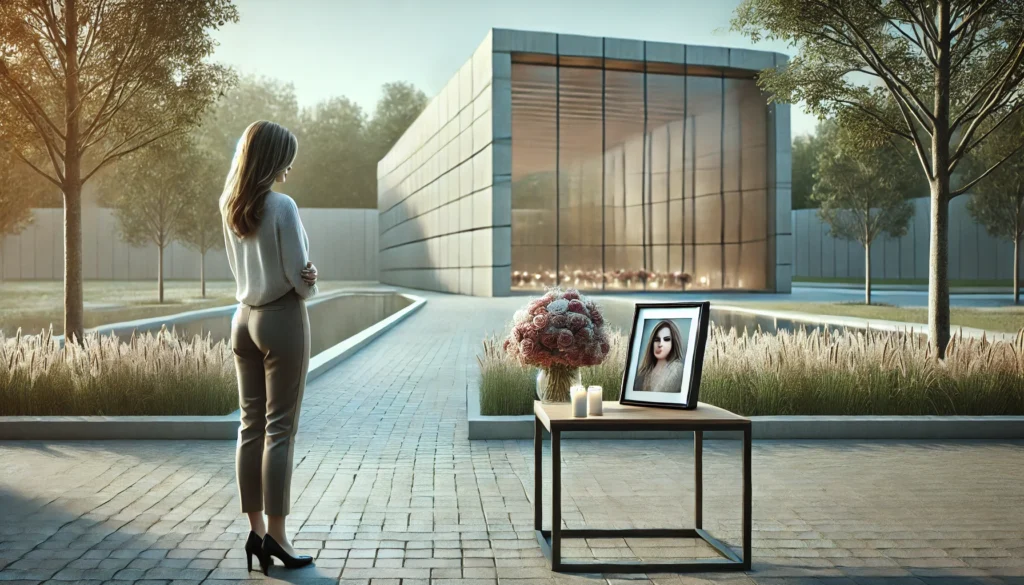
{"x": 152, "y": 374}
{"x": 506, "y": 387}
{"x": 608, "y": 374}
{"x": 816, "y": 373}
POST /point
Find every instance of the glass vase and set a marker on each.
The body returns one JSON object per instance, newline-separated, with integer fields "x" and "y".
{"x": 553, "y": 383}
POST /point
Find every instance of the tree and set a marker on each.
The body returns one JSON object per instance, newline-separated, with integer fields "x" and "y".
{"x": 251, "y": 98}
{"x": 150, "y": 192}
{"x": 861, "y": 192}
{"x": 15, "y": 201}
{"x": 338, "y": 146}
{"x": 21, "y": 190}
{"x": 199, "y": 225}
{"x": 931, "y": 73}
{"x": 998, "y": 202}
{"x": 92, "y": 81}
{"x": 331, "y": 170}
{"x": 254, "y": 98}
{"x": 398, "y": 107}
{"x": 805, "y": 165}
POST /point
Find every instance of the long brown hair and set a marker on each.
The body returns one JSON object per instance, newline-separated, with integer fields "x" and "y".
{"x": 649, "y": 360}
{"x": 264, "y": 151}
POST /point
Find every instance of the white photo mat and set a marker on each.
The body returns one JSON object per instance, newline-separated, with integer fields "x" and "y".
{"x": 638, "y": 345}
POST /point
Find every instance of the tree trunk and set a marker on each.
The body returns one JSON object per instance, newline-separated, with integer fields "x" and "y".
{"x": 74, "y": 297}
{"x": 202, "y": 271}
{"x": 938, "y": 262}
{"x": 160, "y": 272}
{"x": 867, "y": 273}
{"x": 938, "y": 270}
{"x": 74, "y": 317}
{"x": 1016, "y": 270}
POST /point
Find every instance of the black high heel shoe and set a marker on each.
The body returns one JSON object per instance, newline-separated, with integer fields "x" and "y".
{"x": 254, "y": 547}
{"x": 272, "y": 549}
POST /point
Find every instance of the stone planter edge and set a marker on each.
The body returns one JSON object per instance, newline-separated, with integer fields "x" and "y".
{"x": 778, "y": 427}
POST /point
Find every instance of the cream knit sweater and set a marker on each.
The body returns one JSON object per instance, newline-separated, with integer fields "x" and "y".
{"x": 268, "y": 263}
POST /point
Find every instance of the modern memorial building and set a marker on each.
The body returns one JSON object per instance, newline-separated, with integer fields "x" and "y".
{"x": 599, "y": 163}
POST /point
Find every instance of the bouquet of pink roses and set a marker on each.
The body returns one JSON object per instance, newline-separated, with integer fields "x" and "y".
{"x": 558, "y": 333}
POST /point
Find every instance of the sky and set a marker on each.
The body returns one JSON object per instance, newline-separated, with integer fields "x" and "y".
{"x": 329, "y": 48}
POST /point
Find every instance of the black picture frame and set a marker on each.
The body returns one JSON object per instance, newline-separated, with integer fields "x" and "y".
{"x": 703, "y": 319}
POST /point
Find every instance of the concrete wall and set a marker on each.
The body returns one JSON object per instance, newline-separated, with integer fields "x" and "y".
{"x": 443, "y": 190}
{"x": 343, "y": 245}
{"x": 780, "y": 191}
{"x": 973, "y": 253}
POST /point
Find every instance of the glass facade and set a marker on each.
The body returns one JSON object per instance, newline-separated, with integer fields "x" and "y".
{"x": 631, "y": 177}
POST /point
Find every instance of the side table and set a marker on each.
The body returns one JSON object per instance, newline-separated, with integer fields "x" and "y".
{"x": 556, "y": 418}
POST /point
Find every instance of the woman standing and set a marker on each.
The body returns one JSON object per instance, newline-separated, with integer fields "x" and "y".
{"x": 268, "y": 252}
{"x": 662, "y": 368}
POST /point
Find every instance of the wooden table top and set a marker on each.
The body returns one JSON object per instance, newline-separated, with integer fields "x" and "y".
{"x": 627, "y": 417}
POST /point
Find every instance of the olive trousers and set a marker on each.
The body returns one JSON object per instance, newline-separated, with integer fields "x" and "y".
{"x": 271, "y": 347}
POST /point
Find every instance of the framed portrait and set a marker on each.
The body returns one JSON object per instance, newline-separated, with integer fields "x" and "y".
{"x": 665, "y": 355}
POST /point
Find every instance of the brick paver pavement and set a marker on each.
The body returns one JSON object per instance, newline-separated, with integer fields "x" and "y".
{"x": 387, "y": 490}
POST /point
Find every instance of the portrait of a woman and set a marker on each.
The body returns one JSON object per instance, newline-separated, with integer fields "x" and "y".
{"x": 662, "y": 366}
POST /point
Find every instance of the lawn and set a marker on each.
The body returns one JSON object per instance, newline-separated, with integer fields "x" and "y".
{"x": 1005, "y": 319}
{"x": 34, "y": 305}
{"x": 1004, "y": 283}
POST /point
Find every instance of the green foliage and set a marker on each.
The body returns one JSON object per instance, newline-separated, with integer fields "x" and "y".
{"x": 861, "y": 190}
{"x": 339, "y": 146}
{"x": 151, "y": 190}
{"x": 19, "y": 189}
{"x": 200, "y": 225}
{"x": 805, "y": 167}
{"x": 997, "y": 202}
{"x": 807, "y": 150}
{"x": 334, "y": 162}
{"x": 251, "y": 98}
{"x": 398, "y": 107}
{"x": 819, "y": 373}
{"x": 153, "y": 374}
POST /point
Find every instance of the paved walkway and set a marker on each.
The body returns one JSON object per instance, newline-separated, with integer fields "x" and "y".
{"x": 388, "y": 491}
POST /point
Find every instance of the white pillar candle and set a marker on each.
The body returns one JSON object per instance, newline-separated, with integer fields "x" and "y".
{"x": 595, "y": 398}
{"x": 578, "y": 396}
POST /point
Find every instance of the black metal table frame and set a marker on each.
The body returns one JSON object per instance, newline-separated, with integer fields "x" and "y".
{"x": 551, "y": 540}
